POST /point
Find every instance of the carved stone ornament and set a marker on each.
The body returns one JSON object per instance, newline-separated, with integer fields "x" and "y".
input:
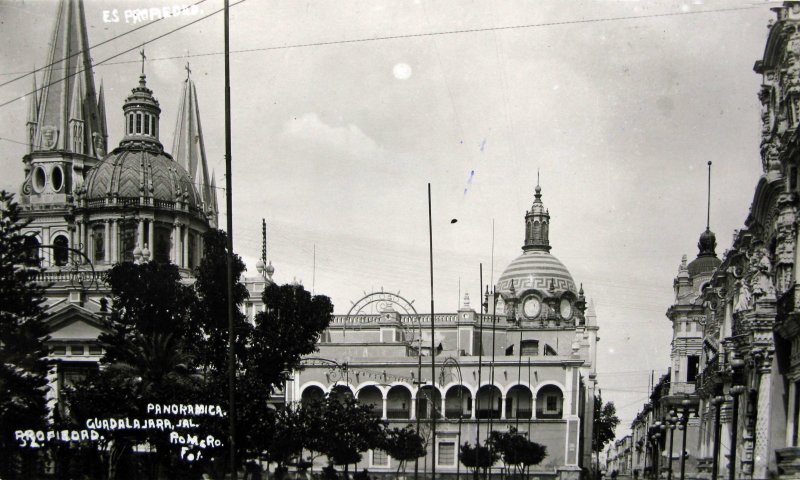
{"x": 49, "y": 137}
{"x": 760, "y": 275}
{"x": 99, "y": 147}
{"x": 743, "y": 299}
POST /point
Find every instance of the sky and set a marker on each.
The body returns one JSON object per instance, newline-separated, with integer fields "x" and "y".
{"x": 343, "y": 113}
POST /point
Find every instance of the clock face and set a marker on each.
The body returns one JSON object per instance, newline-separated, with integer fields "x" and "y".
{"x": 566, "y": 308}
{"x": 531, "y": 307}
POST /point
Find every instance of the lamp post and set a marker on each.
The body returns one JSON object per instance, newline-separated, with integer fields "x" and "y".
{"x": 735, "y": 392}
{"x": 454, "y": 362}
{"x": 717, "y": 402}
{"x": 671, "y": 422}
{"x": 684, "y": 425}
{"x": 657, "y": 429}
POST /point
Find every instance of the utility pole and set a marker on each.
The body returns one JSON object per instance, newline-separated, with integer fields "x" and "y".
{"x": 229, "y": 206}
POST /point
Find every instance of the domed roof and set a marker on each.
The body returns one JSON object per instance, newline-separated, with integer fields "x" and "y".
{"x": 132, "y": 172}
{"x": 706, "y": 261}
{"x": 536, "y": 269}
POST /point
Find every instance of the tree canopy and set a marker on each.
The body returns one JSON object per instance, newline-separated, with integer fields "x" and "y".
{"x": 605, "y": 423}
{"x": 23, "y": 333}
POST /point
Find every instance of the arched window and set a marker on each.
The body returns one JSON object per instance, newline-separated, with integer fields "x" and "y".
{"x": 127, "y": 241}
{"x": 162, "y": 239}
{"x": 31, "y": 251}
{"x": 549, "y": 402}
{"x": 60, "y": 251}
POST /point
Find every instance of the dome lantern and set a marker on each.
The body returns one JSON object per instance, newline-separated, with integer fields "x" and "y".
{"x": 142, "y": 113}
{"x": 537, "y": 225}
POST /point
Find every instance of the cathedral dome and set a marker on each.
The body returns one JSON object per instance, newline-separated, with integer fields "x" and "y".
{"x": 536, "y": 269}
{"x": 136, "y": 173}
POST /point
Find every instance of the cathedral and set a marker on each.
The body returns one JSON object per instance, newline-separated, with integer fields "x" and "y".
{"x": 90, "y": 206}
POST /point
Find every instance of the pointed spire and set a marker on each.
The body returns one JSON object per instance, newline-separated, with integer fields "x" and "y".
{"x": 67, "y": 64}
{"x": 101, "y": 108}
{"x": 188, "y": 147}
{"x": 76, "y": 105}
{"x": 33, "y": 100}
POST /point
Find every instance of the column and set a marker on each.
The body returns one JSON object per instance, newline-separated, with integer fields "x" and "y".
{"x": 185, "y": 242}
{"x": 112, "y": 253}
{"x": 443, "y": 412}
{"x": 503, "y": 407}
{"x": 176, "y": 229}
{"x": 791, "y": 424}
{"x": 413, "y": 408}
{"x": 151, "y": 237}
{"x": 107, "y": 242}
{"x": 761, "y": 451}
{"x": 74, "y": 240}
{"x": 384, "y": 414}
{"x": 140, "y": 233}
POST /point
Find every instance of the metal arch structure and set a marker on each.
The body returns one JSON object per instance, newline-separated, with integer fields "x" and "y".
{"x": 384, "y": 300}
{"x": 78, "y": 277}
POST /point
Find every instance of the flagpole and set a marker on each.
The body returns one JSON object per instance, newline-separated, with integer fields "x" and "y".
{"x": 433, "y": 341}
{"x": 229, "y": 206}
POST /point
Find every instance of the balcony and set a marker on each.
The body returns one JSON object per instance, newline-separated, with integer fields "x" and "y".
{"x": 548, "y": 414}
{"x": 398, "y": 413}
{"x": 455, "y": 413}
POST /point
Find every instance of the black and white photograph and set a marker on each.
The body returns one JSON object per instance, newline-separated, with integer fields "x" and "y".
{"x": 399, "y": 240}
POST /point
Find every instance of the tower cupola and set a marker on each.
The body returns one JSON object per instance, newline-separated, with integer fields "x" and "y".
{"x": 537, "y": 225}
{"x": 142, "y": 112}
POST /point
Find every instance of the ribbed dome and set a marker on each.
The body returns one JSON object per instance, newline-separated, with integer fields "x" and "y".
{"x": 141, "y": 172}
{"x": 536, "y": 269}
{"x": 703, "y": 264}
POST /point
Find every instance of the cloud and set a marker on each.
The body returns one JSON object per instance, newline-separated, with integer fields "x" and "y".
{"x": 309, "y": 127}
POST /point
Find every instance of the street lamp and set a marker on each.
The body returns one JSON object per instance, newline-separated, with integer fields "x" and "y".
{"x": 671, "y": 421}
{"x": 454, "y": 362}
{"x": 684, "y": 425}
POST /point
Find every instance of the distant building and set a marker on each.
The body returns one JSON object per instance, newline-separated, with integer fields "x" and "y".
{"x": 526, "y": 360}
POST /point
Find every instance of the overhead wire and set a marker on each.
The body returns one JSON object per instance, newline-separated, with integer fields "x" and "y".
{"x": 34, "y": 71}
{"x": 158, "y": 37}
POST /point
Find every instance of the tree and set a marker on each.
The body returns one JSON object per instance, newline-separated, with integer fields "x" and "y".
{"x": 23, "y": 331}
{"x": 148, "y": 358}
{"x": 289, "y": 329}
{"x": 349, "y": 429}
{"x": 605, "y": 422}
{"x": 516, "y": 450}
{"x": 404, "y": 444}
{"x": 479, "y": 457}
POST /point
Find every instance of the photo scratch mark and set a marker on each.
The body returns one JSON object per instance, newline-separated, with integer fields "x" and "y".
{"x": 469, "y": 181}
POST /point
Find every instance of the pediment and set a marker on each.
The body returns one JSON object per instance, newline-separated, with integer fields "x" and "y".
{"x": 74, "y": 323}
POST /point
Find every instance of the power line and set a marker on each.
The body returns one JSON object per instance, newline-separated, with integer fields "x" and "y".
{"x": 124, "y": 52}
{"x": 428, "y": 34}
{"x": 27, "y": 74}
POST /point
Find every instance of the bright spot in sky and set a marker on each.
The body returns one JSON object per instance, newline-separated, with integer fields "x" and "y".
{"x": 401, "y": 71}
{"x": 610, "y": 350}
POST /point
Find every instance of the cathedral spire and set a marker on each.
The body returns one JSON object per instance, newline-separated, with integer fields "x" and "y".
{"x": 68, "y": 64}
{"x": 188, "y": 147}
{"x": 101, "y": 108}
{"x": 33, "y": 113}
{"x": 537, "y": 223}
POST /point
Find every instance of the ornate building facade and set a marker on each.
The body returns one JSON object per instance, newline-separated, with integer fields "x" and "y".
{"x": 524, "y": 359}
{"x": 90, "y": 208}
{"x": 747, "y": 305}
